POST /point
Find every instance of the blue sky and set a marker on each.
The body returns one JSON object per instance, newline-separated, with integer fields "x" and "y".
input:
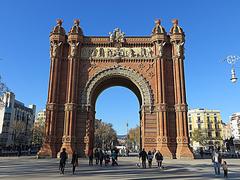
{"x": 212, "y": 32}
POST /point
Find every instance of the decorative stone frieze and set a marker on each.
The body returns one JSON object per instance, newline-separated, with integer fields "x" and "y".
{"x": 83, "y": 66}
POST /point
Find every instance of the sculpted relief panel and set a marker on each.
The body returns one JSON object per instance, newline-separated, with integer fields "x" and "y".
{"x": 113, "y": 52}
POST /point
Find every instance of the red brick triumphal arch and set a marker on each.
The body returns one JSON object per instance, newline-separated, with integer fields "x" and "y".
{"x": 83, "y": 66}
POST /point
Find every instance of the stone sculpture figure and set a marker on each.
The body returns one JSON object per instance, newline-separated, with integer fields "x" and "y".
{"x": 55, "y": 48}
{"x": 101, "y": 52}
{"x": 178, "y": 48}
{"x": 116, "y": 36}
{"x": 132, "y": 53}
{"x": 149, "y": 52}
{"x": 160, "y": 48}
{"x": 143, "y": 52}
{"x": 94, "y": 53}
{"x": 74, "y": 48}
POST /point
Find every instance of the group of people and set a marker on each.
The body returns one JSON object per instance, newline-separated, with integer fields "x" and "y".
{"x": 144, "y": 156}
{"x": 63, "y": 159}
{"x": 101, "y": 156}
{"x": 218, "y": 162}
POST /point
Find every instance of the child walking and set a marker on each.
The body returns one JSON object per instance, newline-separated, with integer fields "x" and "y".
{"x": 225, "y": 169}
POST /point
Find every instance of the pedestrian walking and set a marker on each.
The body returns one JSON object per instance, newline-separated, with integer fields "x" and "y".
{"x": 201, "y": 152}
{"x": 225, "y": 169}
{"x": 74, "y": 161}
{"x": 96, "y": 154}
{"x": 19, "y": 149}
{"x": 150, "y": 158}
{"x": 106, "y": 158}
{"x": 101, "y": 157}
{"x": 90, "y": 157}
{"x": 159, "y": 159}
{"x": 114, "y": 158}
{"x": 63, "y": 158}
{"x": 143, "y": 155}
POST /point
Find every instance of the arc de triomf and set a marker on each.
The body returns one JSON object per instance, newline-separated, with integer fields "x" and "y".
{"x": 83, "y": 66}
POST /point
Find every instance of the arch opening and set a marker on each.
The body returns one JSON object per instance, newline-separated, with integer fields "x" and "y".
{"x": 113, "y": 82}
{"x": 117, "y": 120}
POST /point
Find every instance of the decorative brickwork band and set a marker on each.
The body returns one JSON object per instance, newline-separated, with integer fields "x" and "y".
{"x": 81, "y": 67}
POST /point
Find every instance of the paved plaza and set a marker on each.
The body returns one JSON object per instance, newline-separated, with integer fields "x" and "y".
{"x": 32, "y": 168}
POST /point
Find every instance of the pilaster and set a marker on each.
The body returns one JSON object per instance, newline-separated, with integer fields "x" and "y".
{"x": 69, "y": 136}
{"x": 177, "y": 40}
{"x": 57, "y": 39}
{"x": 159, "y": 38}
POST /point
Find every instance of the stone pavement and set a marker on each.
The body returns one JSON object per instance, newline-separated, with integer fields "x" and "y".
{"x": 25, "y": 168}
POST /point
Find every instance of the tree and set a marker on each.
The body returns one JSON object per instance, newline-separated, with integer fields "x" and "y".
{"x": 18, "y": 129}
{"x": 38, "y": 132}
{"x": 3, "y": 89}
{"x": 200, "y": 136}
{"x": 105, "y": 136}
{"x": 133, "y": 137}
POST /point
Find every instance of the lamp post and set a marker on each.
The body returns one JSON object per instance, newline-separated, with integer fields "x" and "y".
{"x": 127, "y": 136}
{"x": 232, "y": 59}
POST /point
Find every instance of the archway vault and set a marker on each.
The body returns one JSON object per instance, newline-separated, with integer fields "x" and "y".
{"x": 118, "y": 75}
{"x": 83, "y": 66}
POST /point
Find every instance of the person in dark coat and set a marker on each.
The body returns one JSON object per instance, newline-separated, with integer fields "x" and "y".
{"x": 74, "y": 161}
{"x": 90, "y": 157}
{"x": 63, "y": 158}
{"x": 159, "y": 159}
{"x": 149, "y": 157}
{"x": 101, "y": 157}
{"x": 96, "y": 154}
{"x": 143, "y": 155}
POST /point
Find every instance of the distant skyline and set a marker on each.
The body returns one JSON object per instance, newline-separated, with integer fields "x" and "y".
{"x": 211, "y": 29}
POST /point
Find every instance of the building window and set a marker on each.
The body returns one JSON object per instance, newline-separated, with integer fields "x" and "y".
{"x": 217, "y": 134}
{"x": 215, "y": 119}
{"x": 208, "y": 119}
{"x": 209, "y": 134}
{"x": 190, "y": 127}
{"x": 199, "y": 126}
{"x": 189, "y": 119}
{"x": 190, "y": 134}
{"x": 198, "y": 119}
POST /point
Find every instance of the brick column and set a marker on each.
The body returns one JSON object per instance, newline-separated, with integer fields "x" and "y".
{"x": 57, "y": 39}
{"x": 159, "y": 38}
{"x": 89, "y": 137}
{"x": 177, "y": 40}
{"x": 69, "y": 135}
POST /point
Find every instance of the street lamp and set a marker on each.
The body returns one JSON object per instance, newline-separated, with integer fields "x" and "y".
{"x": 232, "y": 59}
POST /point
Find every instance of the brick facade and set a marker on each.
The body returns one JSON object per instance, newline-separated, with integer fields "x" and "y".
{"x": 83, "y": 66}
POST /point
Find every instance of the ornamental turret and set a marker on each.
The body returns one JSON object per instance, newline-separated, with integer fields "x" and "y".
{"x": 177, "y": 38}
{"x": 57, "y": 38}
{"x": 75, "y": 37}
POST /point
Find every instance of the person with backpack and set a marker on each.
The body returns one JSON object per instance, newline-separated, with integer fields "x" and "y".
{"x": 159, "y": 159}
{"x": 150, "y": 158}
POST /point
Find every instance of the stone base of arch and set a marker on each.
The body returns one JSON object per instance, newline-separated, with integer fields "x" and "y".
{"x": 47, "y": 151}
{"x": 184, "y": 152}
{"x": 163, "y": 147}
